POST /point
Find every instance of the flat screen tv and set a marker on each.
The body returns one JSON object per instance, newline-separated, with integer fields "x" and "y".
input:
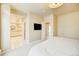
{"x": 37, "y": 26}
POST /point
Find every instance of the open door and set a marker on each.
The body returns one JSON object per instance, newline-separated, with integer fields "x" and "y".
{"x": 48, "y": 30}
{"x": 16, "y": 31}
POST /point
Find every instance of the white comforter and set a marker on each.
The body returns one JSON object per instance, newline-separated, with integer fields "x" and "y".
{"x": 56, "y": 47}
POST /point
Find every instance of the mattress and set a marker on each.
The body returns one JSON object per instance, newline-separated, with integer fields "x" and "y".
{"x": 58, "y": 46}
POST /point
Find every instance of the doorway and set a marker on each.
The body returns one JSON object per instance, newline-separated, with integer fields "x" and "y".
{"x": 16, "y": 31}
{"x": 47, "y": 30}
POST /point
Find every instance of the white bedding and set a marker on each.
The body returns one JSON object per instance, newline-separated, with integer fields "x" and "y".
{"x": 56, "y": 47}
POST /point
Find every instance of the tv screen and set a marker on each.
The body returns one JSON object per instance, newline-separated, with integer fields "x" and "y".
{"x": 37, "y": 26}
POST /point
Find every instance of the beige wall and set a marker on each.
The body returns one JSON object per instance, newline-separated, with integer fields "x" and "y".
{"x": 34, "y": 34}
{"x": 0, "y": 26}
{"x": 68, "y": 25}
{"x": 5, "y": 22}
{"x": 55, "y": 25}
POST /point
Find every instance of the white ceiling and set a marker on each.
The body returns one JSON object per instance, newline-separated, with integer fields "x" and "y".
{"x": 43, "y": 9}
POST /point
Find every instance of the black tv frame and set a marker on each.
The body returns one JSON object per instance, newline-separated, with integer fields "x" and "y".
{"x": 37, "y": 26}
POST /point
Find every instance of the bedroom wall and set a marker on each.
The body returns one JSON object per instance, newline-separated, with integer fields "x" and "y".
{"x": 5, "y": 19}
{"x": 55, "y": 25}
{"x": 34, "y": 34}
{"x": 5, "y": 26}
{"x": 27, "y": 28}
{"x": 0, "y": 26}
{"x": 68, "y": 25}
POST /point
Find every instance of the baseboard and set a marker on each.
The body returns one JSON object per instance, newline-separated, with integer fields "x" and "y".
{"x": 2, "y": 51}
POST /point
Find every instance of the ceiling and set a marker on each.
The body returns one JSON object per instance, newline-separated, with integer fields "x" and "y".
{"x": 42, "y": 9}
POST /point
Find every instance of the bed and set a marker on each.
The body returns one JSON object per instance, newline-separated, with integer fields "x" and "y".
{"x": 58, "y": 46}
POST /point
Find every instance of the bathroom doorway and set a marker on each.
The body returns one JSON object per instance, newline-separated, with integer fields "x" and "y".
{"x": 16, "y": 31}
{"x": 47, "y": 30}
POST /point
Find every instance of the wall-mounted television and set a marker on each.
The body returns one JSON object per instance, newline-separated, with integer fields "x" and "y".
{"x": 37, "y": 26}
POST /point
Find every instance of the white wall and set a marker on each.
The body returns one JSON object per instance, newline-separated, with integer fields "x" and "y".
{"x": 68, "y": 25}
{"x": 5, "y": 18}
{"x": 27, "y": 28}
{"x": 34, "y": 34}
